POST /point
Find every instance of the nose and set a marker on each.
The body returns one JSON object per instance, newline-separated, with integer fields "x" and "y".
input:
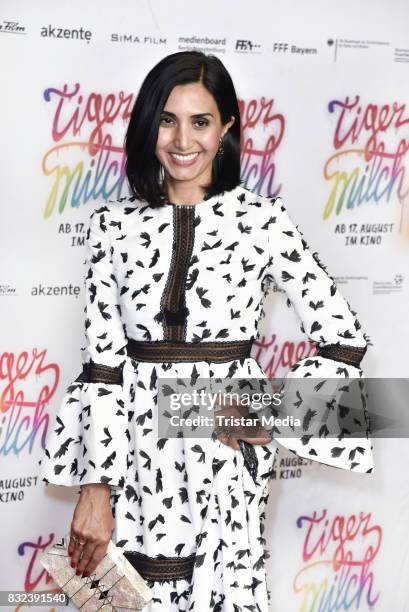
{"x": 183, "y": 137}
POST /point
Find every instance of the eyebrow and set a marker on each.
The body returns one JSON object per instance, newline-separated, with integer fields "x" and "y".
{"x": 197, "y": 116}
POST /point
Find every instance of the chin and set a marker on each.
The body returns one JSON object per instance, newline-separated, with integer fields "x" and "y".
{"x": 184, "y": 173}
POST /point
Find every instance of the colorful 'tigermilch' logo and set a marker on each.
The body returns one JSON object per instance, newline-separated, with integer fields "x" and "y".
{"x": 338, "y": 553}
{"x": 86, "y": 162}
{"x": 25, "y": 420}
{"x": 370, "y": 146}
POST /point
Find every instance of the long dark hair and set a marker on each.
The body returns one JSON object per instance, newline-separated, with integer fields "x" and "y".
{"x": 142, "y": 166}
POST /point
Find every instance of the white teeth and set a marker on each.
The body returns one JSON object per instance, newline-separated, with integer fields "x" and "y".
{"x": 184, "y": 157}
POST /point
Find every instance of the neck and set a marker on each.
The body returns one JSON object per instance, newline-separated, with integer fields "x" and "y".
{"x": 184, "y": 192}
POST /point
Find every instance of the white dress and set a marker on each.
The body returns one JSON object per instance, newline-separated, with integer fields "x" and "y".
{"x": 184, "y": 496}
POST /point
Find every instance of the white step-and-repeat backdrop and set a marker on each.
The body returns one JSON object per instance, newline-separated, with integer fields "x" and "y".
{"x": 324, "y": 92}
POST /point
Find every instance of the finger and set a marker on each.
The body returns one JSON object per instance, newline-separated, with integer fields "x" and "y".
{"x": 223, "y": 439}
{"x": 76, "y": 557}
{"x": 229, "y": 441}
{"x": 97, "y": 556}
{"x": 233, "y": 443}
{"x": 72, "y": 544}
{"x": 88, "y": 552}
{"x": 76, "y": 554}
{"x": 255, "y": 431}
{"x": 257, "y": 440}
{"x": 78, "y": 551}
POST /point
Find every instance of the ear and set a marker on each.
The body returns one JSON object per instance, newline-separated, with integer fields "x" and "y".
{"x": 228, "y": 125}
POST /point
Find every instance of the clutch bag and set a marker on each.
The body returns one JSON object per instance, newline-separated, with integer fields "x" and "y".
{"x": 114, "y": 585}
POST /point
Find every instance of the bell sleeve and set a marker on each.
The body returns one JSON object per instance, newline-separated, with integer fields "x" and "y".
{"x": 333, "y": 410}
{"x": 88, "y": 441}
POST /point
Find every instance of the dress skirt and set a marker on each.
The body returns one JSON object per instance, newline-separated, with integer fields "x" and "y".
{"x": 186, "y": 495}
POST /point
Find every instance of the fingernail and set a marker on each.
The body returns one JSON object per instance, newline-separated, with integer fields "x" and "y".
{"x": 73, "y": 564}
{"x": 85, "y": 575}
{"x": 78, "y": 572}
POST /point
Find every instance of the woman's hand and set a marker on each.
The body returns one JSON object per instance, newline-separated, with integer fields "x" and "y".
{"x": 93, "y": 524}
{"x": 229, "y": 433}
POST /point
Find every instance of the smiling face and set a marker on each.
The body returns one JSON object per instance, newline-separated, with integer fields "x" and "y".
{"x": 188, "y": 139}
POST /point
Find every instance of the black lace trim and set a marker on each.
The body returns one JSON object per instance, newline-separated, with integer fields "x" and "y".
{"x": 100, "y": 373}
{"x": 249, "y": 457}
{"x": 167, "y": 350}
{"x": 161, "y": 567}
{"x": 352, "y": 355}
{"x": 173, "y": 304}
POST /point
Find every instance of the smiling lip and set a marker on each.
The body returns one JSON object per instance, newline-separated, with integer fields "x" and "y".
{"x": 183, "y": 160}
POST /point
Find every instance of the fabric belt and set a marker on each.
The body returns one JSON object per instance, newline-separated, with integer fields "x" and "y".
{"x": 171, "y": 350}
{"x": 351, "y": 355}
{"x": 161, "y": 568}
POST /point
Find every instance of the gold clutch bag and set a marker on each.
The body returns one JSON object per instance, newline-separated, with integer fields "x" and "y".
{"x": 114, "y": 584}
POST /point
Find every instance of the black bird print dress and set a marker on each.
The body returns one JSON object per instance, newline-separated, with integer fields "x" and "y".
{"x": 190, "y": 498}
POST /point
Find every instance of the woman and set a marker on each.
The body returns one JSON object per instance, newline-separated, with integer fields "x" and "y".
{"x": 176, "y": 278}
